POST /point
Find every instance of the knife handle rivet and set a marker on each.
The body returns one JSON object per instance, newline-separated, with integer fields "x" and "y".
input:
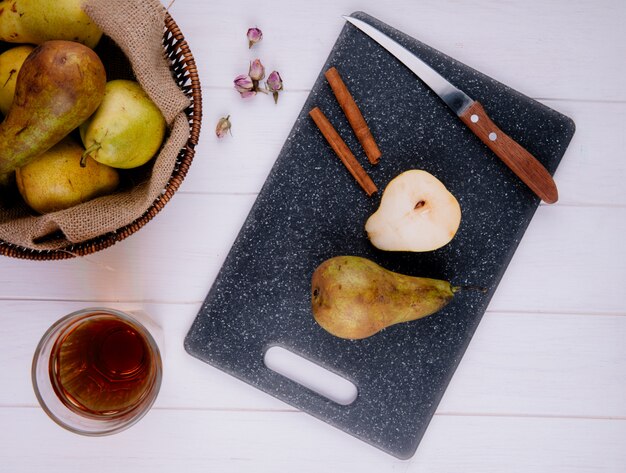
{"x": 493, "y": 136}
{"x": 474, "y": 118}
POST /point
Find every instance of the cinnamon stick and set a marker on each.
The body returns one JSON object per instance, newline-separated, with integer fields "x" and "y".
{"x": 353, "y": 114}
{"x": 343, "y": 152}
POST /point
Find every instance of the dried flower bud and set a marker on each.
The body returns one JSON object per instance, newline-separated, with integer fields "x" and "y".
{"x": 244, "y": 85}
{"x": 257, "y": 71}
{"x": 254, "y": 36}
{"x": 223, "y": 127}
{"x": 274, "y": 84}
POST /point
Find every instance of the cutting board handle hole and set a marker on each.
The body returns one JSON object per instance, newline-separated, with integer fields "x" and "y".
{"x": 310, "y": 375}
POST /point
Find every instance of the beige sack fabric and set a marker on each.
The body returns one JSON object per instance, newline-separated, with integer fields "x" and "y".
{"x": 136, "y": 26}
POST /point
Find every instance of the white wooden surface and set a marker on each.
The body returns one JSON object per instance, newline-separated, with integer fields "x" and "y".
{"x": 542, "y": 387}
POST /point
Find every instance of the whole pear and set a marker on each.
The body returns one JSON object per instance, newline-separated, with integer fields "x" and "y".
{"x": 60, "y": 84}
{"x": 127, "y": 129}
{"x": 55, "y": 180}
{"x": 37, "y": 21}
{"x": 10, "y": 64}
{"x": 354, "y": 298}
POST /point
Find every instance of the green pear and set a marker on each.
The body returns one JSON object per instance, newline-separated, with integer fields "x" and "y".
{"x": 37, "y": 21}
{"x": 10, "y": 64}
{"x": 60, "y": 84}
{"x": 354, "y": 298}
{"x": 55, "y": 180}
{"x": 127, "y": 129}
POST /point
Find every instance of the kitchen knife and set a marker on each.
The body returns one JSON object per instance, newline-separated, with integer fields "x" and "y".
{"x": 472, "y": 114}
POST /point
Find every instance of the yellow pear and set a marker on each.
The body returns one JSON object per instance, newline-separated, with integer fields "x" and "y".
{"x": 37, "y": 21}
{"x": 56, "y": 180}
{"x": 10, "y": 64}
{"x": 127, "y": 129}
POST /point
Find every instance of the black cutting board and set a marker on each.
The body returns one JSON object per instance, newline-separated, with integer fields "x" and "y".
{"x": 311, "y": 209}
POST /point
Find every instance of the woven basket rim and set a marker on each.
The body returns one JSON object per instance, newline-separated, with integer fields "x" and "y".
{"x": 185, "y": 73}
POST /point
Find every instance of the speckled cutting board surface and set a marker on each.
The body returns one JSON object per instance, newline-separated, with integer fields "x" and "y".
{"x": 310, "y": 209}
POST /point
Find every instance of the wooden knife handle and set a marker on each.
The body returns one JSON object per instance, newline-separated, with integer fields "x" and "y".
{"x": 520, "y": 161}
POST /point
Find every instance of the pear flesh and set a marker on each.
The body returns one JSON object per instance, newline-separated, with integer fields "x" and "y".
{"x": 127, "y": 129}
{"x": 60, "y": 84}
{"x": 10, "y": 64}
{"x": 37, "y": 21}
{"x": 354, "y": 298}
{"x": 416, "y": 213}
{"x": 55, "y": 180}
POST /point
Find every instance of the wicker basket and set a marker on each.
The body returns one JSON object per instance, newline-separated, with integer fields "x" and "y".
{"x": 185, "y": 74}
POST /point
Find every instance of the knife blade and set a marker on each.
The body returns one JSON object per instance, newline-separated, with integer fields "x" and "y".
{"x": 473, "y": 115}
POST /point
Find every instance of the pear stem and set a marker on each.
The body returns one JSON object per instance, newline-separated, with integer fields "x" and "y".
{"x": 456, "y": 289}
{"x": 87, "y": 152}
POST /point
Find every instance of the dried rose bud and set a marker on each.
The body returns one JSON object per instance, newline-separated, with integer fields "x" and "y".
{"x": 274, "y": 84}
{"x": 223, "y": 127}
{"x": 254, "y": 36}
{"x": 244, "y": 85}
{"x": 257, "y": 71}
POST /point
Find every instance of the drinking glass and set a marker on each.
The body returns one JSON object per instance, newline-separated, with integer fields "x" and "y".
{"x": 97, "y": 371}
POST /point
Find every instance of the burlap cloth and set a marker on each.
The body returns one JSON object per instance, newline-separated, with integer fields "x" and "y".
{"x": 137, "y": 27}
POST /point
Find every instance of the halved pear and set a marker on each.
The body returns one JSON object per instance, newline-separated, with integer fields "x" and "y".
{"x": 416, "y": 213}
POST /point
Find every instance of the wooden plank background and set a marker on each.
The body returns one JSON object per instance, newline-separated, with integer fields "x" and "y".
{"x": 542, "y": 387}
